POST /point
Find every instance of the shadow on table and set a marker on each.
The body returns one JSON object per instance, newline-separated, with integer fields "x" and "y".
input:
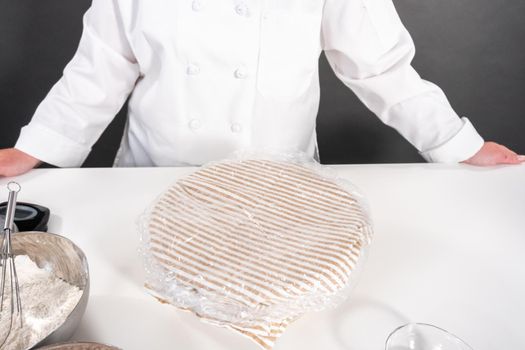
{"x": 362, "y": 323}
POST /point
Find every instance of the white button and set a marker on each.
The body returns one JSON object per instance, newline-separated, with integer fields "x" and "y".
{"x": 236, "y": 127}
{"x": 241, "y": 73}
{"x": 241, "y": 9}
{"x": 195, "y": 124}
{"x": 197, "y": 5}
{"x": 193, "y": 69}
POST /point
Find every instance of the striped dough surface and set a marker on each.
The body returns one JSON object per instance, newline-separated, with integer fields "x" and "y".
{"x": 254, "y": 244}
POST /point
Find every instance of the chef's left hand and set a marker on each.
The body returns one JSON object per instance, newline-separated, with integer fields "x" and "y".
{"x": 493, "y": 154}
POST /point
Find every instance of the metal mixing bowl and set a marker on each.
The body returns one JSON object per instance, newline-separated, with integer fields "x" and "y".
{"x": 67, "y": 262}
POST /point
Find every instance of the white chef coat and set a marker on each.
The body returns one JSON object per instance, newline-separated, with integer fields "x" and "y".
{"x": 208, "y": 77}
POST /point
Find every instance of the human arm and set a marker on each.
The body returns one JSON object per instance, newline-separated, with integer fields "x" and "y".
{"x": 95, "y": 84}
{"x": 371, "y": 52}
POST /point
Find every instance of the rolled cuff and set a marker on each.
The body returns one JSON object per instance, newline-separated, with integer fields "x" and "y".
{"x": 51, "y": 147}
{"x": 466, "y": 143}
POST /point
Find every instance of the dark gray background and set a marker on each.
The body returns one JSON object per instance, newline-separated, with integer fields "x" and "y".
{"x": 473, "y": 49}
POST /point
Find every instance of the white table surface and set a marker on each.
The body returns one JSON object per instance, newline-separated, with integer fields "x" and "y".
{"x": 448, "y": 250}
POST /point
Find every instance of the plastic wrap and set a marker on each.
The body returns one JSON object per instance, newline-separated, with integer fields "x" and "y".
{"x": 253, "y": 243}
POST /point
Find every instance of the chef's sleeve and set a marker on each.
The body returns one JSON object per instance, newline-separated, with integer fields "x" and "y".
{"x": 94, "y": 86}
{"x": 371, "y": 52}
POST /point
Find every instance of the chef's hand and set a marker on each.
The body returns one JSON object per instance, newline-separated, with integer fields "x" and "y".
{"x": 493, "y": 154}
{"x": 14, "y": 162}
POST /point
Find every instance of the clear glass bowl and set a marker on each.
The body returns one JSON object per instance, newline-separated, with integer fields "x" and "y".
{"x": 421, "y": 336}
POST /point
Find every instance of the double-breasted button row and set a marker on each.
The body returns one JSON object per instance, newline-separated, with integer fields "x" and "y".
{"x": 196, "y": 124}
{"x": 241, "y": 8}
{"x": 240, "y": 72}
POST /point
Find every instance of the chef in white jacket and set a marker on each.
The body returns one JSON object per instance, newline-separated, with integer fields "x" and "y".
{"x": 208, "y": 77}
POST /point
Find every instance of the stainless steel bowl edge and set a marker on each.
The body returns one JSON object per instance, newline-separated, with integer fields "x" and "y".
{"x": 76, "y": 273}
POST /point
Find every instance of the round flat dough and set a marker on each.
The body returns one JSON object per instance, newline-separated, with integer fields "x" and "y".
{"x": 254, "y": 244}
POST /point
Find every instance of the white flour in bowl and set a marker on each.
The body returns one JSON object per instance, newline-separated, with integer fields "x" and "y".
{"x": 46, "y": 303}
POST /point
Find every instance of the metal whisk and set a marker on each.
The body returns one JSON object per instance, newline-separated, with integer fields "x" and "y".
{"x": 9, "y": 276}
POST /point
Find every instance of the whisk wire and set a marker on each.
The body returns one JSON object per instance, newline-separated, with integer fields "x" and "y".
{"x": 7, "y": 262}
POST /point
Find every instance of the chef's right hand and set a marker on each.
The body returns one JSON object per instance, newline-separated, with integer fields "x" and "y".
{"x": 14, "y": 162}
